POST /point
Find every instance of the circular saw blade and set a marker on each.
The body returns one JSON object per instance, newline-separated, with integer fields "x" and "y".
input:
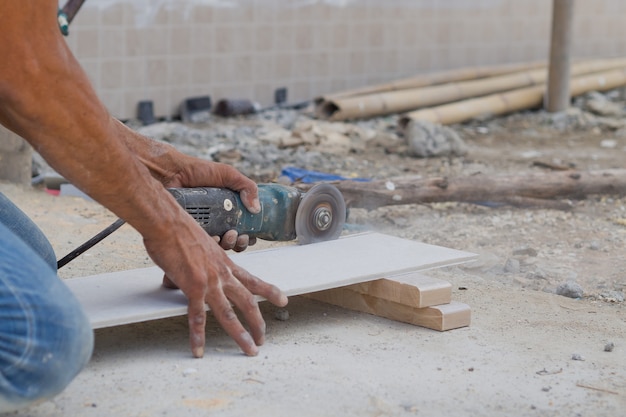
{"x": 320, "y": 215}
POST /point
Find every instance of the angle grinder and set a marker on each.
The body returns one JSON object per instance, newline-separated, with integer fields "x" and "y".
{"x": 286, "y": 214}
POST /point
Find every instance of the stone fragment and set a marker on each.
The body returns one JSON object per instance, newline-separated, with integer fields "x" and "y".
{"x": 425, "y": 139}
{"x": 570, "y": 289}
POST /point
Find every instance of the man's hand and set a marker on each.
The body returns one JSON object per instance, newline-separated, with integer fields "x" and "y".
{"x": 221, "y": 282}
{"x": 175, "y": 169}
{"x": 194, "y": 172}
{"x": 207, "y": 275}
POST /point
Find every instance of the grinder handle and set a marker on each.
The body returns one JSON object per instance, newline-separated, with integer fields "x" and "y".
{"x": 219, "y": 210}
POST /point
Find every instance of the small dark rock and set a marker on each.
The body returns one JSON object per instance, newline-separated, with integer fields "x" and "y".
{"x": 282, "y": 314}
{"x": 524, "y": 251}
{"x": 512, "y": 266}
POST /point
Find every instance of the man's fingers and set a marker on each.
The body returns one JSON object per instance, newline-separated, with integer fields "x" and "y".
{"x": 197, "y": 322}
{"x": 168, "y": 283}
{"x": 250, "y": 198}
{"x": 229, "y": 240}
{"x": 255, "y": 285}
{"x": 249, "y": 307}
{"x": 229, "y": 177}
{"x": 226, "y": 316}
{"x": 242, "y": 243}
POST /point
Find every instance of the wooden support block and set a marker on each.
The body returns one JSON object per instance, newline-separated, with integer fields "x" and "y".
{"x": 442, "y": 317}
{"x": 413, "y": 289}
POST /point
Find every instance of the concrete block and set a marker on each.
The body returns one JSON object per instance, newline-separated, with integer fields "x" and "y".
{"x": 15, "y": 158}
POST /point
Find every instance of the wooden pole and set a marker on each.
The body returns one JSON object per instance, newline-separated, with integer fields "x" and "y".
{"x": 538, "y": 189}
{"x": 558, "y": 93}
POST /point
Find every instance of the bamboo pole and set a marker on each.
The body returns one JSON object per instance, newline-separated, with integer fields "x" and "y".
{"x": 515, "y": 100}
{"x": 423, "y": 80}
{"x": 558, "y": 91}
{"x": 410, "y": 99}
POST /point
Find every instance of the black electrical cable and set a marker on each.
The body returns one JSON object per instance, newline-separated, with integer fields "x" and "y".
{"x": 88, "y": 244}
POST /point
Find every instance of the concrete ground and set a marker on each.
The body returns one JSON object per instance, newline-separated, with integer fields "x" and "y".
{"x": 516, "y": 358}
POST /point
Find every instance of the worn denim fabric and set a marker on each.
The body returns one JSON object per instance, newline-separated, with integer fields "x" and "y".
{"x": 45, "y": 337}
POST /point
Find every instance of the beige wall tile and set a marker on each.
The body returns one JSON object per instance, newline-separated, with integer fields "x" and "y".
{"x": 263, "y": 67}
{"x": 134, "y": 42}
{"x": 134, "y": 73}
{"x": 112, "y": 15}
{"x": 283, "y": 66}
{"x": 357, "y": 63}
{"x": 339, "y": 63}
{"x": 114, "y": 102}
{"x": 264, "y": 37}
{"x": 340, "y": 37}
{"x": 156, "y": 73}
{"x": 112, "y": 74}
{"x": 87, "y": 42}
{"x": 179, "y": 71}
{"x": 284, "y": 35}
{"x": 178, "y": 41}
{"x": 205, "y": 70}
{"x": 304, "y": 36}
{"x": 92, "y": 69}
{"x": 112, "y": 43}
{"x": 201, "y": 13}
{"x": 203, "y": 39}
{"x": 242, "y": 69}
{"x": 154, "y": 41}
{"x": 263, "y": 92}
{"x": 89, "y": 17}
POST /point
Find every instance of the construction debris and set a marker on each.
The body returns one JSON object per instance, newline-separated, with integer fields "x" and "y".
{"x": 425, "y": 139}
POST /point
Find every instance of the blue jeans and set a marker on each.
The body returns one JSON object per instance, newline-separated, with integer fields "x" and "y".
{"x": 45, "y": 337}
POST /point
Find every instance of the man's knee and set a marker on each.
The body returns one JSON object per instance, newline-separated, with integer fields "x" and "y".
{"x": 49, "y": 362}
{"x": 47, "y": 353}
{"x": 45, "y": 337}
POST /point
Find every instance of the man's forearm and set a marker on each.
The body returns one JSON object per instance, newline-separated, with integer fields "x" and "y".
{"x": 48, "y": 100}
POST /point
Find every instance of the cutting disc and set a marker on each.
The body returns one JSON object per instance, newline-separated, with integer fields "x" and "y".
{"x": 320, "y": 215}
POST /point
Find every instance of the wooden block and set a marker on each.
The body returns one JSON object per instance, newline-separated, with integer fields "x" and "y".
{"x": 442, "y": 317}
{"x": 132, "y": 296}
{"x": 413, "y": 289}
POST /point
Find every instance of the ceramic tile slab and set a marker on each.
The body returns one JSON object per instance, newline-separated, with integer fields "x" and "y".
{"x": 133, "y": 296}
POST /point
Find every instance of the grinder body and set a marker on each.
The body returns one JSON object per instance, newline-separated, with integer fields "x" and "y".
{"x": 286, "y": 214}
{"x": 218, "y": 210}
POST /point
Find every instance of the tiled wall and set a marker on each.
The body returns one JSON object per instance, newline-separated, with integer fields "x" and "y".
{"x": 167, "y": 50}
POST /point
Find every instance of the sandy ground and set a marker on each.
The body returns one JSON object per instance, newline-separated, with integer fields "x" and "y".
{"x": 517, "y": 357}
